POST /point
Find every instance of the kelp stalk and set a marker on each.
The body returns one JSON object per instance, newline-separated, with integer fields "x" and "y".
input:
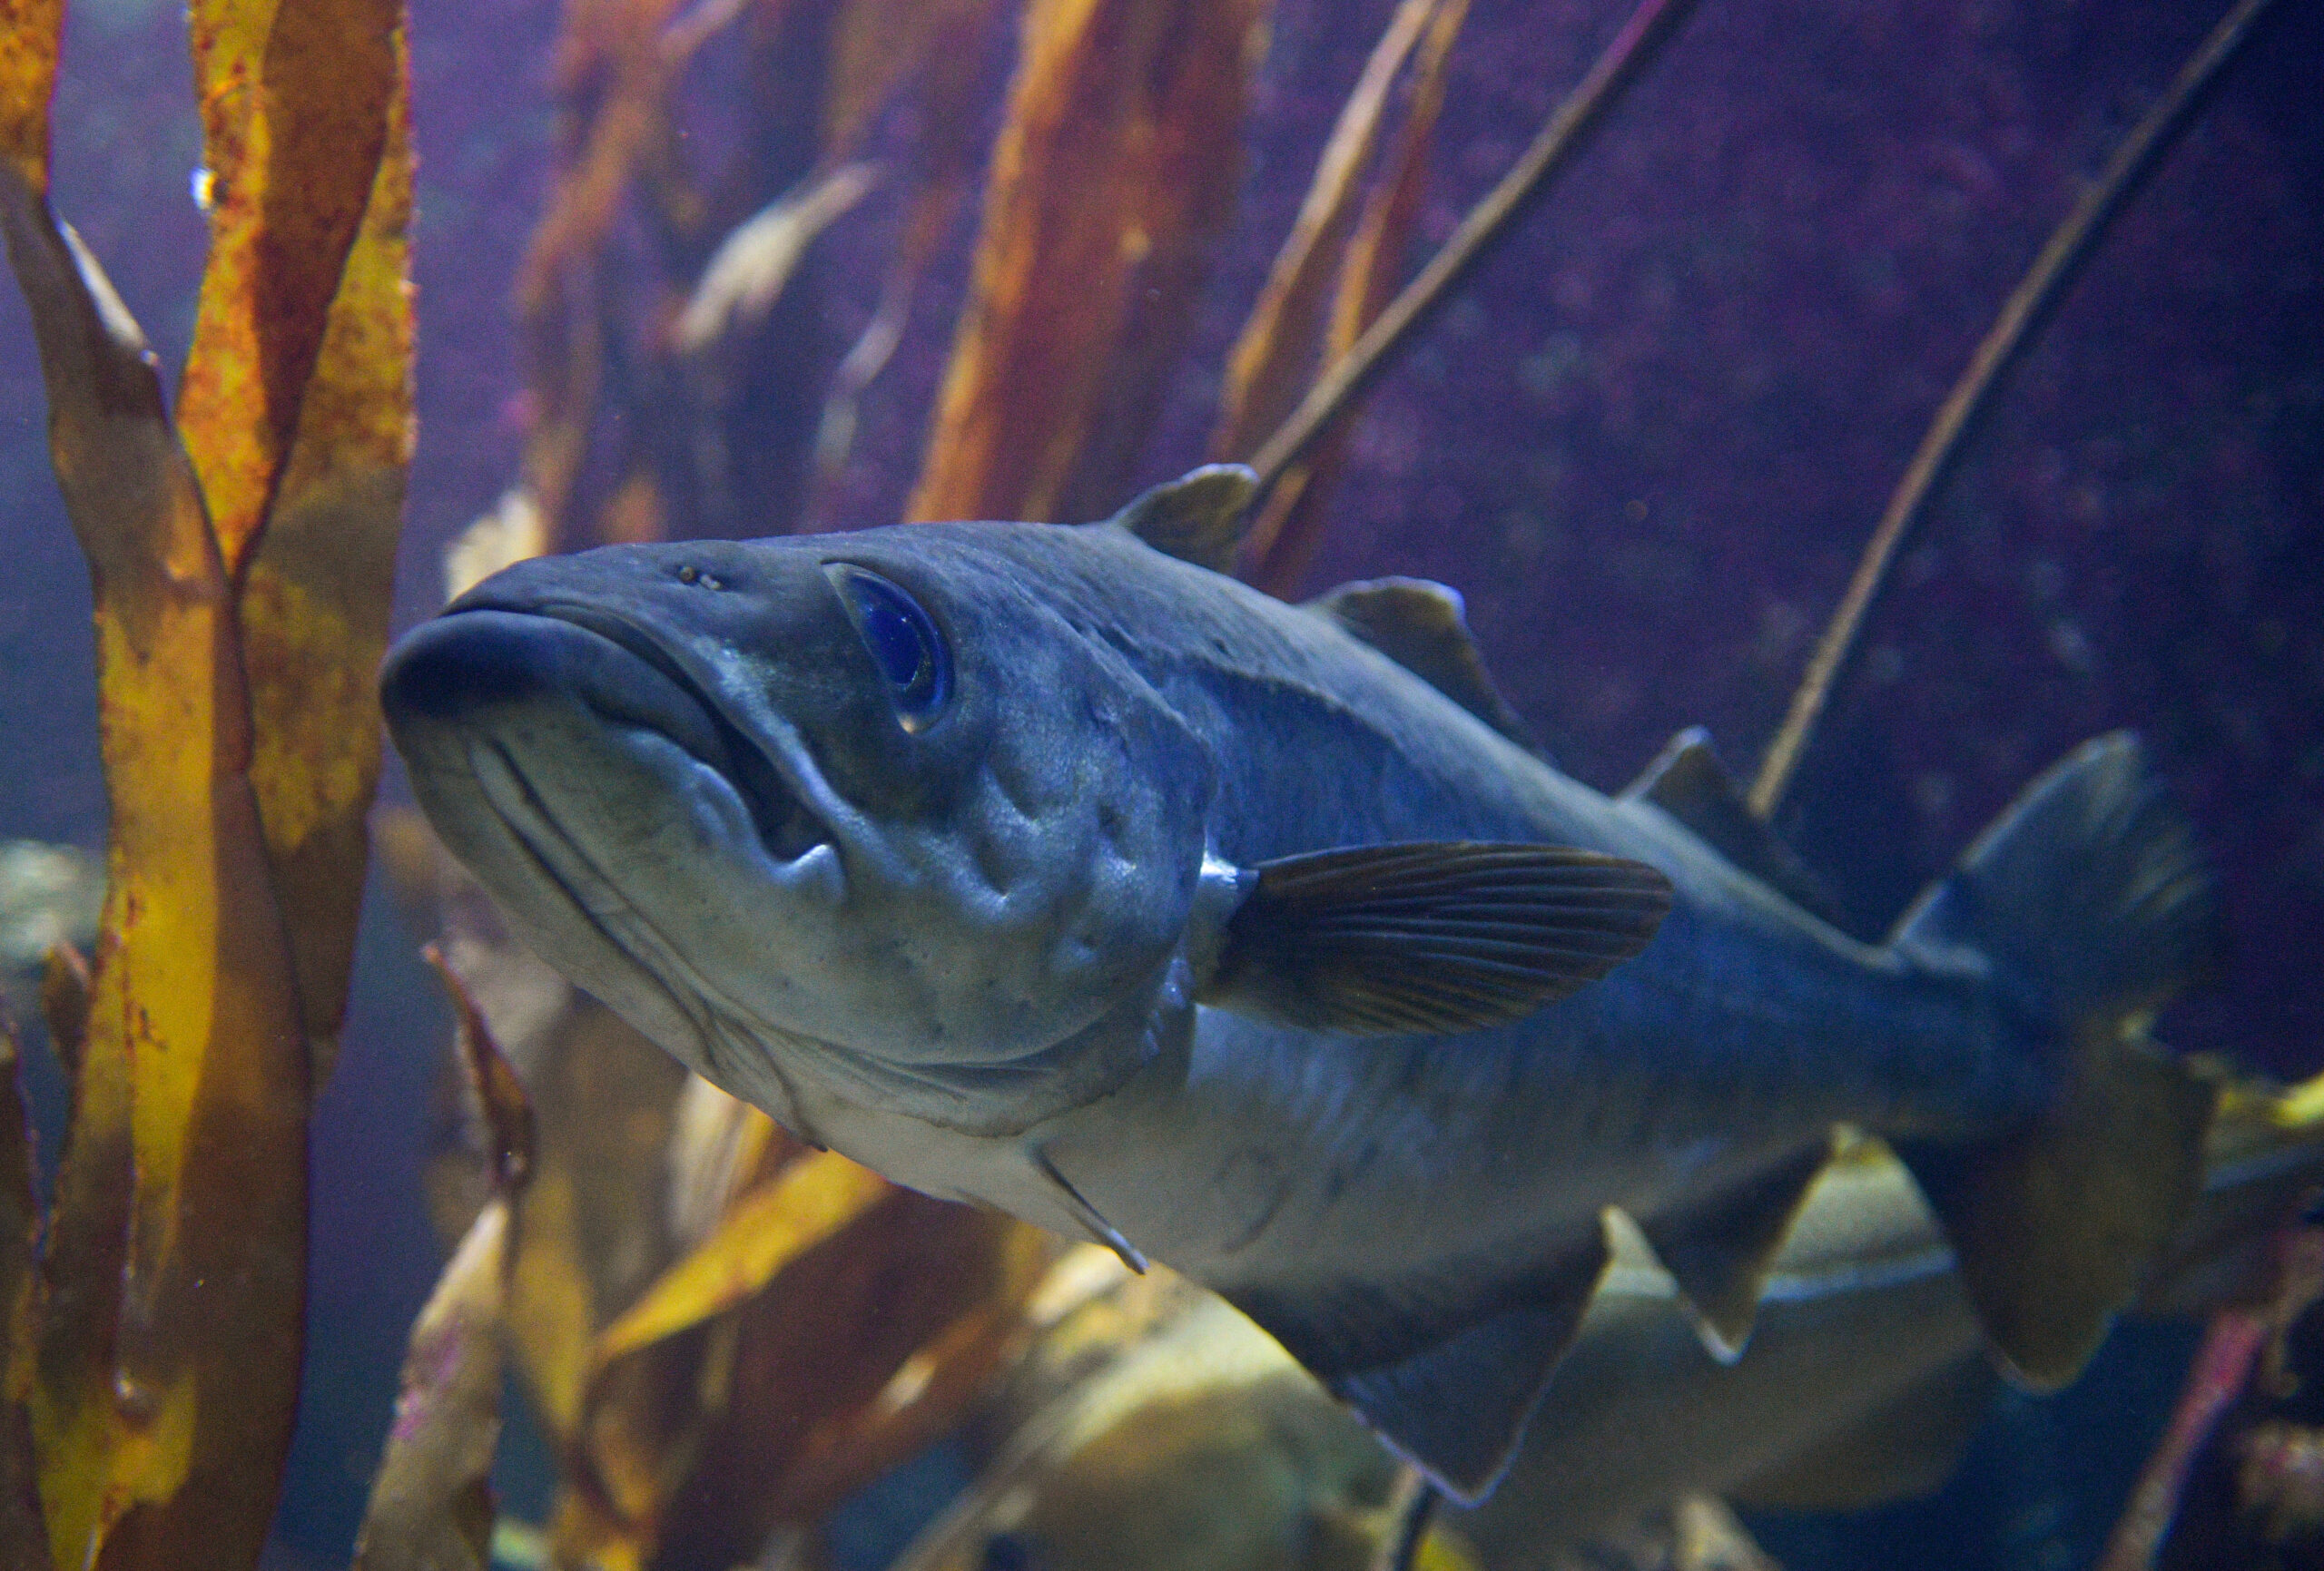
{"x": 1480, "y": 232}
{"x": 2021, "y": 315}
{"x": 1409, "y": 1511}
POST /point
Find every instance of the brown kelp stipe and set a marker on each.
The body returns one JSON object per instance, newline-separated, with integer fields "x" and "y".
{"x": 2021, "y": 316}
{"x": 1410, "y": 1510}
{"x": 1111, "y": 182}
{"x": 1552, "y": 150}
{"x": 239, "y": 561}
{"x": 1296, "y": 323}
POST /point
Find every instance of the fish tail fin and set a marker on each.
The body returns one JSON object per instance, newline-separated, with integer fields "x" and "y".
{"x": 2093, "y": 906}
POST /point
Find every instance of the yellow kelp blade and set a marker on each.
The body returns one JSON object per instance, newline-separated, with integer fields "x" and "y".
{"x": 1115, "y": 173}
{"x": 591, "y": 1228}
{"x": 853, "y": 1351}
{"x": 164, "y": 1424}
{"x": 29, "y": 30}
{"x": 431, "y": 1504}
{"x": 316, "y": 585}
{"x": 2263, "y": 1163}
{"x": 23, "y": 1537}
{"x": 296, "y": 412}
{"x": 296, "y": 97}
{"x": 765, "y": 1229}
{"x": 1284, "y": 535}
{"x": 646, "y": 1401}
{"x": 431, "y": 1501}
{"x": 1274, "y": 358}
{"x": 929, "y": 1392}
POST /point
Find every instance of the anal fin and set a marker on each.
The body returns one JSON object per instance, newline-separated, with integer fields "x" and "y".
{"x": 2054, "y": 1224}
{"x": 1456, "y": 1405}
{"x": 1904, "y": 1446}
{"x": 1719, "y": 1253}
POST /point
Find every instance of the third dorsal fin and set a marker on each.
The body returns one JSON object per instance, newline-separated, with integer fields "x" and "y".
{"x": 1687, "y": 781}
{"x": 1196, "y": 517}
{"x": 1422, "y": 626}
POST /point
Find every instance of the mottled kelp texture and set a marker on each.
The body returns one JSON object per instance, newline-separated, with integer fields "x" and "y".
{"x": 431, "y": 1504}
{"x": 160, "y": 1357}
{"x": 1112, "y": 182}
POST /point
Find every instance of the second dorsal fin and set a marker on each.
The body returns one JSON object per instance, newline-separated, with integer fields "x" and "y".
{"x": 1687, "y": 781}
{"x": 1423, "y": 627}
{"x": 1196, "y": 517}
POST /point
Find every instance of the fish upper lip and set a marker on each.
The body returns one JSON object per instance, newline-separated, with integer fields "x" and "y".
{"x": 780, "y": 806}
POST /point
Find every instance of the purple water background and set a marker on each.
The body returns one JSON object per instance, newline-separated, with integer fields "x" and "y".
{"x": 1646, "y": 444}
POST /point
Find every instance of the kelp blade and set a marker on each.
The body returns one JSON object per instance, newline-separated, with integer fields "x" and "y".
{"x": 29, "y": 31}
{"x": 431, "y": 1502}
{"x": 24, "y": 1536}
{"x": 164, "y": 1395}
{"x": 1115, "y": 173}
{"x": 297, "y": 414}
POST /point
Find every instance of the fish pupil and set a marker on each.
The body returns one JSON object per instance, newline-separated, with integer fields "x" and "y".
{"x": 902, "y": 641}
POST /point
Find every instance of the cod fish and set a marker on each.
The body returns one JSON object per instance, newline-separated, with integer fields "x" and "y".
{"x": 1156, "y": 1430}
{"x": 1052, "y": 870}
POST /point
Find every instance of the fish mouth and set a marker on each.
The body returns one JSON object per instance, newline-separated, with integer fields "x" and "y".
{"x": 563, "y": 758}
{"x": 683, "y": 709}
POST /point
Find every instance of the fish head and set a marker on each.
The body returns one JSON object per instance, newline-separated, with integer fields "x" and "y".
{"x": 874, "y": 794}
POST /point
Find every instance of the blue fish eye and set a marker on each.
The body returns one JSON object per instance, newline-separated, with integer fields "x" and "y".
{"x": 902, "y": 641}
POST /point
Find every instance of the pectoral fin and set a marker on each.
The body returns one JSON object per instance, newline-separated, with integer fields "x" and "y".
{"x": 1455, "y": 1405}
{"x": 1100, "y": 1230}
{"x": 1429, "y": 935}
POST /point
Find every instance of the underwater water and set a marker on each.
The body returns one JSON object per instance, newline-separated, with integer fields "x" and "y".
{"x": 1645, "y": 442}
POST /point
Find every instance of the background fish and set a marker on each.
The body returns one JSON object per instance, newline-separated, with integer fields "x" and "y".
{"x": 1154, "y": 1410}
{"x": 930, "y": 840}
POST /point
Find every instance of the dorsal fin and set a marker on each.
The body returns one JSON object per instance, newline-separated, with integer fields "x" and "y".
{"x": 1423, "y": 627}
{"x": 1687, "y": 781}
{"x": 1197, "y": 517}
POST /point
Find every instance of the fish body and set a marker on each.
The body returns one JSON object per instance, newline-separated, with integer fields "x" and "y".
{"x": 951, "y": 846}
